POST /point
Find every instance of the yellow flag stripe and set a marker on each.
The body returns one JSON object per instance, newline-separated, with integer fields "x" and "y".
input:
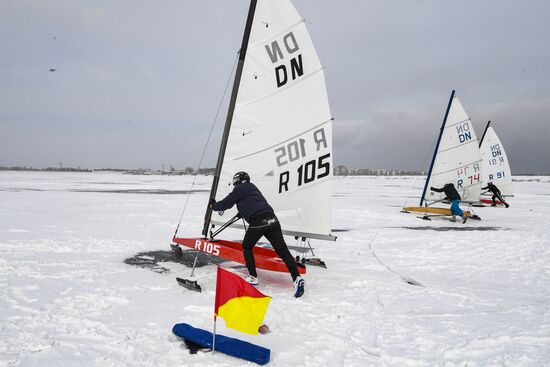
{"x": 244, "y": 314}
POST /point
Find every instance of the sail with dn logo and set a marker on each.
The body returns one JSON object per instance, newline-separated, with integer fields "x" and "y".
{"x": 495, "y": 165}
{"x": 456, "y": 160}
{"x": 279, "y": 130}
{"x": 295, "y": 64}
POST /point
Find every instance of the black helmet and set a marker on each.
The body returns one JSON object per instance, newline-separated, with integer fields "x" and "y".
{"x": 240, "y": 177}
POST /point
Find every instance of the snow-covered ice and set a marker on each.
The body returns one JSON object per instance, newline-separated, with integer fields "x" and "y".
{"x": 68, "y": 299}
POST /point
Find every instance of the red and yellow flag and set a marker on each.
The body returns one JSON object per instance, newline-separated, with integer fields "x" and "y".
{"x": 241, "y": 305}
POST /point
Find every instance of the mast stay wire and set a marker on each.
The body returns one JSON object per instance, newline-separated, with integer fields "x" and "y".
{"x": 207, "y": 141}
{"x": 423, "y": 165}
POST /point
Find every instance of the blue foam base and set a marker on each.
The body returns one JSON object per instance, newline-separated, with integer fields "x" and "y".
{"x": 230, "y": 346}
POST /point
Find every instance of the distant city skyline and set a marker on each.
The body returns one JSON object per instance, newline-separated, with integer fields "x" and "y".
{"x": 120, "y": 84}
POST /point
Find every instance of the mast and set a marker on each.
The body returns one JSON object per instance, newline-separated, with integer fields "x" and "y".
{"x": 229, "y": 118}
{"x": 437, "y": 147}
{"x": 484, "y": 132}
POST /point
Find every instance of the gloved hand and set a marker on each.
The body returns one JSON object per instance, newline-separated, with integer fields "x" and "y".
{"x": 432, "y": 188}
{"x": 211, "y": 202}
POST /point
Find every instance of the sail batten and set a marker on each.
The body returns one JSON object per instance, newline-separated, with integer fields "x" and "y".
{"x": 459, "y": 122}
{"x": 282, "y": 142}
{"x": 247, "y": 103}
{"x": 262, "y": 42}
{"x": 454, "y": 169}
{"x": 444, "y": 150}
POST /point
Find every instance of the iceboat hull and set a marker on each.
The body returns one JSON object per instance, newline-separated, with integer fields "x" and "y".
{"x": 432, "y": 210}
{"x": 266, "y": 259}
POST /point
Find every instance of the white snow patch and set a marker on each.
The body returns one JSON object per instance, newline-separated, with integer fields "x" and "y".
{"x": 67, "y": 298}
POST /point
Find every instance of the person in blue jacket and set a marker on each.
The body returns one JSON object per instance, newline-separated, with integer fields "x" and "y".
{"x": 454, "y": 197}
{"x": 254, "y": 208}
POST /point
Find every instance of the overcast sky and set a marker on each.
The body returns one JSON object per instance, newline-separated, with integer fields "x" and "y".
{"x": 137, "y": 83}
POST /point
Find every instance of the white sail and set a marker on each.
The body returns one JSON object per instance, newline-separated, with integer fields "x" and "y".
{"x": 281, "y": 132}
{"x": 458, "y": 159}
{"x": 495, "y": 166}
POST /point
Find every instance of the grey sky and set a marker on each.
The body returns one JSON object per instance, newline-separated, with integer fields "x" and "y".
{"x": 137, "y": 83}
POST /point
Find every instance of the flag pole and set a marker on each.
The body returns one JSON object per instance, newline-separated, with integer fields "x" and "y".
{"x": 214, "y": 337}
{"x": 215, "y": 309}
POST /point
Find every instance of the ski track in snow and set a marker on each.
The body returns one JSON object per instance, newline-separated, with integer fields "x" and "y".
{"x": 68, "y": 299}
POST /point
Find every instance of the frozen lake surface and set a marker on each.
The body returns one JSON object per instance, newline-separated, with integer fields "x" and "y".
{"x": 67, "y": 297}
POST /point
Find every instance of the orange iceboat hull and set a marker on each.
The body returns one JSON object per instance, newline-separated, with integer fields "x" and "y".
{"x": 266, "y": 259}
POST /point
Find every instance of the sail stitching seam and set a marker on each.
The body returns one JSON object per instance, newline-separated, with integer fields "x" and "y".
{"x": 279, "y": 90}
{"x": 460, "y": 122}
{"x": 454, "y": 169}
{"x": 282, "y": 142}
{"x": 458, "y": 146}
{"x": 259, "y": 43}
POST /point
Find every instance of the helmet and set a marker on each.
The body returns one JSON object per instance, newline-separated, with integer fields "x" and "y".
{"x": 240, "y": 177}
{"x": 490, "y": 183}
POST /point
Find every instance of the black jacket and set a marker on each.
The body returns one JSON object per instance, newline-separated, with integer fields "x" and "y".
{"x": 249, "y": 200}
{"x": 449, "y": 191}
{"x": 492, "y": 188}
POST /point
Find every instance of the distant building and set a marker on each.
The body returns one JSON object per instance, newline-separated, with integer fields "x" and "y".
{"x": 207, "y": 171}
{"x": 340, "y": 171}
{"x": 344, "y": 171}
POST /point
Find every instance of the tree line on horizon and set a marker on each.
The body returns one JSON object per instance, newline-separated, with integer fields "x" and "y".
{"x": 339, "y": 170}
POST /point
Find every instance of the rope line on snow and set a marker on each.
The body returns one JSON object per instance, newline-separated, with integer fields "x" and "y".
{"x": 207, "y": 141}
{"x": 405, "y": 279}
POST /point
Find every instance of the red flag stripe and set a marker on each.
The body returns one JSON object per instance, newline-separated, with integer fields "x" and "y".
{"x": 230, "y": 285}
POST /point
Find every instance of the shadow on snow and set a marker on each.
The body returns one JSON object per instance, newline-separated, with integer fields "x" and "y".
{"x": 153, "y": 259}
{"x": 464, "y": 229}
{"x": 144, "y": 191}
